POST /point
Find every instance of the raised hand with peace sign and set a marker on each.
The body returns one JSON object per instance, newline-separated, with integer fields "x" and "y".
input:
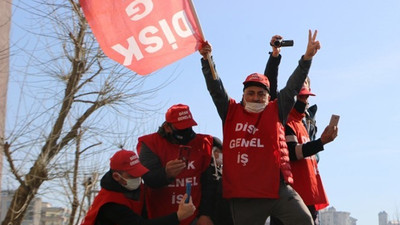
{"x": 313, "y": 45}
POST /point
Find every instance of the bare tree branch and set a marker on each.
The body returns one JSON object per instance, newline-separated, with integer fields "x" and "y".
{"x": 69, "y": 88}
{"x": 10, "y": 161}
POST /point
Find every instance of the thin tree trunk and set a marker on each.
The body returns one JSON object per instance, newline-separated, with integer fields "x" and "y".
{"x": 24, "y": 195}
{"x": 75, "y": 201}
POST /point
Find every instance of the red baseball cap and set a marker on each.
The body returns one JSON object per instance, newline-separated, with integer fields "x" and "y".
{"x": 256, "y": 79}
{"x": 180, "y": 116}
{"x": 128, "y": 161}
{"x": 305, "y": 91}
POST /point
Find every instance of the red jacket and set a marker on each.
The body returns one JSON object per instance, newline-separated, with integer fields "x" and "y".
{"x": 165, "y": 200}
{"x": 307, "y": 181}
{"x": 255, "y": 153}
{"x": 106, "y": 196}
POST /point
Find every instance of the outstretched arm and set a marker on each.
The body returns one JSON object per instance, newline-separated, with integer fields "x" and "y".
{"x": 215, "y": 87}
{"x": 271, "y": 70}
{"x": 296, "y": 80}
{"x": 299, "y": 151}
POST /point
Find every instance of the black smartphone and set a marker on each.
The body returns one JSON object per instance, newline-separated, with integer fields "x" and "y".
{"x": 184, "y": 153}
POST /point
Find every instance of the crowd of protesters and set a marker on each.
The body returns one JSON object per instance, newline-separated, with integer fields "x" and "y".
{"x": 266, "y": 165}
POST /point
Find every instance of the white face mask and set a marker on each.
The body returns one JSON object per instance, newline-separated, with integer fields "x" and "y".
{"x": 132, "y": 184}
{"x": 254, "y": 107}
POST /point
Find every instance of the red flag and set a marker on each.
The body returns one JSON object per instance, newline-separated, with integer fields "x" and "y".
{"x": 144, "y": 35}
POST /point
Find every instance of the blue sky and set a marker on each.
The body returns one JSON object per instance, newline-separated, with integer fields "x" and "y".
{"x": 355, "y": 75}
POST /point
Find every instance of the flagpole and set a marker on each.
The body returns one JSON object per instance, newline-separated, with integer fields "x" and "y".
{"x": 214, "y": 74}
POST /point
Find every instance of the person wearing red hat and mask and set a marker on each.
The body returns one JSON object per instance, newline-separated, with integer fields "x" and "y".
{"x": 303, "y": 146}
{"x": 175, "y": 156}
{"x": 302, "y": 151}
{"x": 120, "y": 200}
{"x": 256, "y": 173}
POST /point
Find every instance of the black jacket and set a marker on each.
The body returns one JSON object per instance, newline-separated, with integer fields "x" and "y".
{"x": 113, "y": 213}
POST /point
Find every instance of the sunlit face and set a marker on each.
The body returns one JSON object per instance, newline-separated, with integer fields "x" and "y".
{"x": 255, "y": 94}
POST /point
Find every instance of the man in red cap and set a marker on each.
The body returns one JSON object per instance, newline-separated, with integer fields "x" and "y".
{"x": 176, "y": 156}
{"x": 302, "y": 151}
{"x": 120, "y": 200}
{"x": 302, "y": 143}
{"x": 257, "y": 175}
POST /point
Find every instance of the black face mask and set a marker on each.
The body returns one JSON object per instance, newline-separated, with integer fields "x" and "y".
{"x": 183, "y": 136}
{"x": 300, "y": 106}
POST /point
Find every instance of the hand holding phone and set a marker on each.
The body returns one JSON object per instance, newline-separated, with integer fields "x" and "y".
{"x": 184, "y": 153}
{"x": 188, "y": 191}
{"x": 331, "y": 131}
{"x": 334, "y": 120}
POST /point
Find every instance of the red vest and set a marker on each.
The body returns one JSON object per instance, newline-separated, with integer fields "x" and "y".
{"x": 255, "y": 152}
{"x": 165, "y": 200}
{"x": 307, "y": 181}
{"x": 105, "y": 196}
